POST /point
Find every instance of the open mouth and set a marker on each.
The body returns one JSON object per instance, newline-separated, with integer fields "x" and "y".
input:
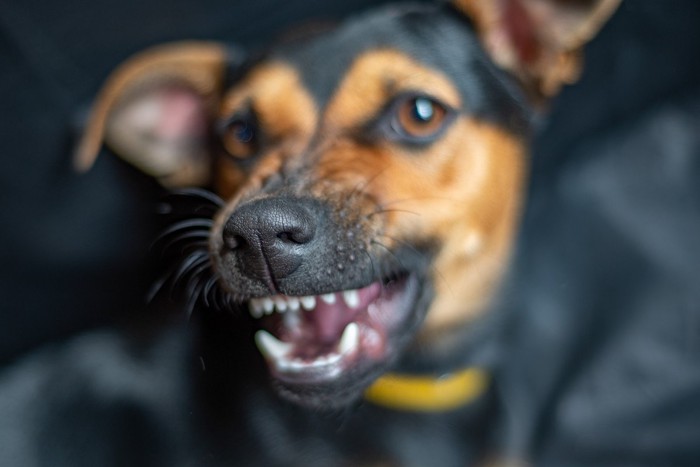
{"x": 318, "y": 338}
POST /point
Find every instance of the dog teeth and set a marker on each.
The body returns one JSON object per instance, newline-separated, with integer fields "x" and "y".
{"x": 329, "y": 366}
{"x": 259, "y": 307}
{"x": 328, "y": 298}
{"x": 352, "y": 298}
{"x": 293, "y": 366}
{"x": 293, "y": 303}
{"x": 268, "y": 305}
{"x": 350, "y": 339}
{"x": 308, "y": 303}
{"x": 280, "y": 303}
{"x": 270, "y": 346}
{"x": 278, "y": 351}
{"x": 329, "y": 359}
{"x": 256, "y": 308}
{"x": 327, "y": 363}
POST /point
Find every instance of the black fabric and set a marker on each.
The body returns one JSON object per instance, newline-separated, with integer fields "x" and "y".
{"x": 605, "y": 293}
{"x": 601, "y": 367}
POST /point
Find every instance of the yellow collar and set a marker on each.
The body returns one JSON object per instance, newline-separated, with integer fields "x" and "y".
{"x": 428, "y": 394}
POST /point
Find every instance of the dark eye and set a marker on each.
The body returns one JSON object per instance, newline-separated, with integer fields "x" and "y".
{"x": 419, "y": 117}
{"x": 240, "y": 137}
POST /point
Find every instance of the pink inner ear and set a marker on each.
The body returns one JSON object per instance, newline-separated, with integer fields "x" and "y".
{"x": 181, "y": 116}
{"x": 520, "y": 29}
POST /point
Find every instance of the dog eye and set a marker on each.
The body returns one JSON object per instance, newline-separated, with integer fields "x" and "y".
{"x": 240, "y": 137}
{"x": 419, "y": 117}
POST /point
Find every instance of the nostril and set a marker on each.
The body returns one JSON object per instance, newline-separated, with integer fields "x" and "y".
{"x": 286, "y": 237}
{"x": 298, "y": 236}
{"x": 234, "y": 241}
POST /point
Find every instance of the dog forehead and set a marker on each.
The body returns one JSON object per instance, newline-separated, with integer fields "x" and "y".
{"x": 433, "y": 36}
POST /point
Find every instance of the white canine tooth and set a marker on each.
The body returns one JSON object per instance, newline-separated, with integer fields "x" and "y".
{"x": 280, "y": 303}
{"x": 350, "y": 339}
{"x": 352, "y": 298}
{"x": 255, "y": 307}
{"x": 308, "y": 303}
{"x": 270, "y": 346}
{"x": 268, "y": 305}
{"x": 328, "y": 298}
{"x": 293, "y": 303}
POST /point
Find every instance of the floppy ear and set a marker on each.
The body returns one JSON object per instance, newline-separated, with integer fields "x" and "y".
{"x": 154, "y": 111}
{"x": 539, "y": 41}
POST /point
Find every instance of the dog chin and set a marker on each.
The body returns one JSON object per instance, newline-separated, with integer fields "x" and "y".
{"x": 324, "y": 350}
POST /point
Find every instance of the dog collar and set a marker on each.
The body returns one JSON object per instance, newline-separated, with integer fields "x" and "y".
{"x": 428, "y": 394}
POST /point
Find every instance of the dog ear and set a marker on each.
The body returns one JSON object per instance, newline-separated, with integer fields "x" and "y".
{"x": 154, "y": 112}
{"x": 539, "y": 41}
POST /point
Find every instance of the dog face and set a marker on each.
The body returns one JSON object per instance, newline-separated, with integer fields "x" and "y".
{"x": 370, "y": 179}
{"x": 362, "y": 196}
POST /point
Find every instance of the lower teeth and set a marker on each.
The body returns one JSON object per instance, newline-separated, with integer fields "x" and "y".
{"x": 278, "y": 351}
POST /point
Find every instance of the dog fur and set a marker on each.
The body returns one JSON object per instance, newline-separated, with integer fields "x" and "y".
{"x": 427, "y": 215}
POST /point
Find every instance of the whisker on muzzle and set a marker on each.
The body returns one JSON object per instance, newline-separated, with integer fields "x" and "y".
{"x": 189, "y": 277}
{"x": 388, "y": 271}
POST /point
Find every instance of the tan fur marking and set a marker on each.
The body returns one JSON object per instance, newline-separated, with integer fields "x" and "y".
{"x": 229, "y": 178}
{"x": 286, "y": 113}
{"x": 465, "y": 278}
{"x": 378, "y": 75}
{"x": 282, "y": 104}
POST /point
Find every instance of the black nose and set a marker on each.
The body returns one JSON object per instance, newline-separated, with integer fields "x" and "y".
{"x": 271, "y": 237}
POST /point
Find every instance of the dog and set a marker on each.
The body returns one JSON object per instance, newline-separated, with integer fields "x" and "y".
{"x": 354, "y": 194}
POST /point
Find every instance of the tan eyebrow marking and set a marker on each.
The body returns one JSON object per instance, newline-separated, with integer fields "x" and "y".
{"x": 378, "y": 75}
{"x": 283, "y": 105}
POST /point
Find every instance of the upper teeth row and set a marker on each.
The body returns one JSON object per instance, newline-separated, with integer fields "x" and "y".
{"x": 282, "y": 303}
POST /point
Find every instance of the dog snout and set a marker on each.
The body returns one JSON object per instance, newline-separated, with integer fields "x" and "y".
{"x": 271, "y": 237}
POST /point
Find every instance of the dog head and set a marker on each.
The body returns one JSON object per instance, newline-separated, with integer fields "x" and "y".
{"x": 369, "y": 176}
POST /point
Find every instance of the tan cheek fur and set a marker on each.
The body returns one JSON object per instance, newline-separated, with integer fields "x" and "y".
{"x": 478, "y": 233}
{"x": 463, "y": 192}
{"x": 467, "y": 196}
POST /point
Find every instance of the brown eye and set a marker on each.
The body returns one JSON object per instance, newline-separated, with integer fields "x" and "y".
{"x": 240, "y": 137}
{"x": 420, "y": 117}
